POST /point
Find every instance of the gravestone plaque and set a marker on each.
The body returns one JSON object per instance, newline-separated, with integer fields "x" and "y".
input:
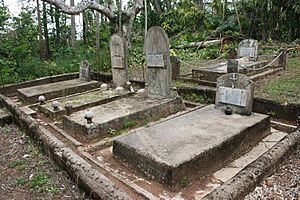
{"x": 158, "y": 62}
{"x": 118, "y": 55}
{"x": 235, "y": 91}
{"x": 248, "y": 48}
{"x": 85, "y": 71}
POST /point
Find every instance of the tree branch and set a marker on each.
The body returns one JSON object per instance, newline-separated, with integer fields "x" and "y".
{"x": 79, "y": 8}
{"x": 135, "y": 9}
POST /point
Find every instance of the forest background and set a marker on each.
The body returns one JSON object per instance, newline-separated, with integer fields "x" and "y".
{"x": 43, "y": 41}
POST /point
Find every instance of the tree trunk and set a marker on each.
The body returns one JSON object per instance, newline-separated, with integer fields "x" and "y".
{"x": 41, "y": 43}
{"x": 57, "y": 25}
{"x": 97, "y": 32}
{"x": 47, "y": 46}
{"x": 84, "y": 37}
{"x": 73, "y": 28}
{"x": 157, "y": 6}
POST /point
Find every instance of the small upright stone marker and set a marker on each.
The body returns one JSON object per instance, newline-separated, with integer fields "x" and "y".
{"x": 118, "y": 55}
{"x": 85, "y": 71}
{"x": 232, "y": 66}
{"x": 236, "y": 92}
{"x": 248, "y": 48}
{"x": 158, "y": 62}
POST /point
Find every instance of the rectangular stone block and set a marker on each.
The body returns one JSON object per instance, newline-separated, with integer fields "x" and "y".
{"x": 117, "y": 115}
{"x": 81, "y": 101}
{"x": 190, "y": 146}
{"x": 54, "y": 90}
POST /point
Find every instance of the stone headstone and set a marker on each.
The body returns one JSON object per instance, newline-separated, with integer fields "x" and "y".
{"x": 248, "y": 48}
{"x": 232, "y": 66}
{"x": 85, "y": 71}
{"x": 118, "y": 55}
{"x": 236, "y": 92}
{"x": 158, "y": 62}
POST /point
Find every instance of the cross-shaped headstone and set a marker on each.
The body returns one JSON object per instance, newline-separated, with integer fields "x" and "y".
{"x": 233, "y": 78}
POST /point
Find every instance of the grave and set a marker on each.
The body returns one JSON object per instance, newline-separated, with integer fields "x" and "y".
{"x": 158, "y": 62}
{"x": 81, "y": 101}
{"x": 54, "y": 90}
{"x": 246, "y": 63}
{"x": 120, "y": 114}
{"x": 235, "y": 91}
{"x": 149, "y": 104}
{"x": 212, "y": 72}
{"x": 248, "y": 48}
{"x": 118, "y": 54}
{"x": 198, "y": 143}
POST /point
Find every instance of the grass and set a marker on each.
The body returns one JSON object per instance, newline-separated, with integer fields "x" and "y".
{"x": 202, "y": 99}
{"x": 284, "y": 88}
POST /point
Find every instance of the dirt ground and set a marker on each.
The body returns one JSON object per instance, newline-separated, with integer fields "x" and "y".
{"x": 26, "y": 173}
{"x": 283, "y": 184}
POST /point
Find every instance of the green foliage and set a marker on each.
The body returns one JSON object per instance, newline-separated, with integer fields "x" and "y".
{"x": 202, "y": 99}
{"x": 38, "y": 180}
{"x": 18, "y": 163}
{"x": 272, "y": 114}
{"x": 129, "y": 123}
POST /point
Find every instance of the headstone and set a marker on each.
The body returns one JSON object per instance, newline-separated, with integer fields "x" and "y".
{"x": 232, "y": 66}
{"x": 236, "y": 92}
{"x": 248, "y": 48}
{"x": 85, "y": 71}
{"x": 118, "y": 55}
{"x": 158, "y": 62}
{"x": 175, "y": 67}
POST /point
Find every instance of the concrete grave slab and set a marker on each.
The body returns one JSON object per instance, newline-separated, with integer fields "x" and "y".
{"x": 191, "y": 145}
{"x": 81, "y": 101}
{"x": 123, "y": 113}
{"x": 214, "y": 71}
{"x": 57, "y": 89}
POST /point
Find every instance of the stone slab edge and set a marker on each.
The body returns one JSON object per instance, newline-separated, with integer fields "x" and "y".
{"x": 10, "y": 89}
{"x": 89, "y": 179}
{"x": 246, "y": 180}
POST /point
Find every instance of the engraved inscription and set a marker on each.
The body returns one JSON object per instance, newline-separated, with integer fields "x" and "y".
{"x": 155, "y": 60}
{"x": 233, "y": 96}
{"x": 117, "y": 62}
{"x": 247, "y": 51}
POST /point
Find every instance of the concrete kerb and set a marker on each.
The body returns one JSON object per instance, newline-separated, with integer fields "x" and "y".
{"x": 247, "y": 179}
{"x": 89, "y": 179}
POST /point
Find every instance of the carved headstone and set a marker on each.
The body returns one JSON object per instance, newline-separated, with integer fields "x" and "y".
{"x": 158, "y": 62}
{"x": 85, "y": 71}
{"x": 118, "y": 55}
{"x": 248, "y": 48}
{"x": 236, "y": 92}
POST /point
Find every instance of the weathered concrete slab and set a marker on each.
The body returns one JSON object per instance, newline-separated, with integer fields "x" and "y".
{"x": 212, "y": 72}
{"x": 123, "y": 113}
{"x": 57, "y": 89}
{"x": 191, "y": 145}
{"x": 81, "y": 101}
{"x": 5, "y": 117}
